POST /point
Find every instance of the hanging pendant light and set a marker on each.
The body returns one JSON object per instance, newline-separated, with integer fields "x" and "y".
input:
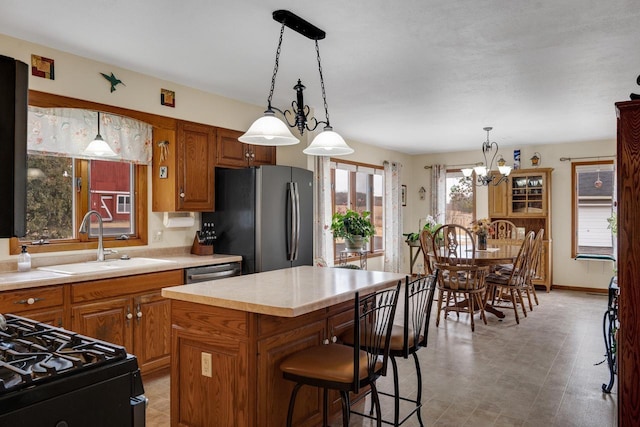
{"x": 271, "y": 131}
{"x": 98, "y": 147}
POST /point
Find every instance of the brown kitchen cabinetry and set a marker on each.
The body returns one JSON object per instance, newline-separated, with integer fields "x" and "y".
{"x": 525, "y": 200}
{"x": 128, "y": 311}
{"x": 246, "y": 348}
{"x": 43, "y": 304}
{"x": 232, "y": 153}
{"x": 183, "y": 161}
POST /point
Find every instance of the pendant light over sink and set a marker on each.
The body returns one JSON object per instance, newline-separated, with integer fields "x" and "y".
{"x": 270, "y": 130}
{"x": 99, "y": 147}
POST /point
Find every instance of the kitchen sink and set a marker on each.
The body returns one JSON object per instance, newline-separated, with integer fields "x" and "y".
{"x": 108, "y": 265}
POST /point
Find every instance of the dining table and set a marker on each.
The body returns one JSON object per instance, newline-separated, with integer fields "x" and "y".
{"x": 494, "y": 255}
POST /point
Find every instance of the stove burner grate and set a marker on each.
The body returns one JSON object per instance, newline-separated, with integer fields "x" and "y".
{"x": 35, "y": 352}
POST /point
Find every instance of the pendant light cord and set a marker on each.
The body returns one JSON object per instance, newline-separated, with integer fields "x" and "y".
{"x": 275, "y": 69}
{"x": 324, "y": 95}
{"x": 98, "y": 122}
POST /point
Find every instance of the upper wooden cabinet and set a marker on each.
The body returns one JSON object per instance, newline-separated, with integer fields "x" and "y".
{"x": 183, "y": 168}
{"x": 234, "y": 154}
{"x": 525, "y": 200}
{"x": 526, "y": 193}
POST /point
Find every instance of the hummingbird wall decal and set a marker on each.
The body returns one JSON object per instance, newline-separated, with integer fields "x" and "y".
{"x": 113, "y": 80}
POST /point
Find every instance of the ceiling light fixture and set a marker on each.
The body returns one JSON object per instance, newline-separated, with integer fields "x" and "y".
{"x": 98, "y": 147}
{"x": 483, "y": 173}
{"x": 269, "y": 130}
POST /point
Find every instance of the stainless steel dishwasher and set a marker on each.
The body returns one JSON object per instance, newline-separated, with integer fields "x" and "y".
{"x": 212, "y": 272}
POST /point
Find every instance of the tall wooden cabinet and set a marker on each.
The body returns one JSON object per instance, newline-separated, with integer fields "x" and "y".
{"x": 183, "y": 168}
{"x": 234, "y": 154}
{"x": 525, "y": 200}
{"x": 628, "y": 268}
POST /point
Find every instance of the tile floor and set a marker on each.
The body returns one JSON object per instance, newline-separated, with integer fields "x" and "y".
{"x": 542, "y": 372}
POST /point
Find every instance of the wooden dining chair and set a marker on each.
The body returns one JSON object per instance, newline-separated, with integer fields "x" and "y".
{"x": 426, "y": 244}
{"x": 347, "y": 368}
{"x": 461, "y": 283}
{"x": 509, "y": 284}
{"x": 536, "y": 259}
{"x": 502, "y": 229}
{"x": 406, "y": 339}
{"x": 452, "y": 243}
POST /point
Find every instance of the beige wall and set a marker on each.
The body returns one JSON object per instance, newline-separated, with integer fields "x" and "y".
{"x": 566, "y": 271}
{"x": 79, "y": 77}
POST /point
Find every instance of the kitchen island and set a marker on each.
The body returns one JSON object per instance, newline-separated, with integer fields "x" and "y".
{"x": 229, "y": 336}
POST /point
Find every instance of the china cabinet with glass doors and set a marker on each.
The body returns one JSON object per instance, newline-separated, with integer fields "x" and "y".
{"x": 525, "y": 199}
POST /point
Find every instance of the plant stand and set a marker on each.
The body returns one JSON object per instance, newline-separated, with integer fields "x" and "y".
{"x": 344, "y": 256}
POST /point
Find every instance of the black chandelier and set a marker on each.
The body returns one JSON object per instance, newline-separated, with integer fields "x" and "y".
{"x": 269, "y": 130}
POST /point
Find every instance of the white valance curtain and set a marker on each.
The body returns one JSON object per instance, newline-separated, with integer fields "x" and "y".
{"x": 393, "y": 242}
{"x": 438, "y": 192}
{"x": 323, "y": 241}
{"x": 68, "y": 131}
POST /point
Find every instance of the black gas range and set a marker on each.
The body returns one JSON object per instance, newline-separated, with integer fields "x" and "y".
{"x": 53, "y": 377}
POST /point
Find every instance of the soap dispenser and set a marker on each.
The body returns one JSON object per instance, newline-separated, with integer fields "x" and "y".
{"x": 24, "y": 260}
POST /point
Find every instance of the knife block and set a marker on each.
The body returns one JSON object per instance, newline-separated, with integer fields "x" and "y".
{"x": 200, "y": 249}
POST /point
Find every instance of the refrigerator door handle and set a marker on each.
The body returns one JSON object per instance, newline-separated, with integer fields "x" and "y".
{"x": 296, "y": 222}
{"x": 291, "y": 218}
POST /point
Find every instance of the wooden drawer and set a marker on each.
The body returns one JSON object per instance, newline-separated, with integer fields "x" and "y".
{"x": 126, "y": 285}
{"x": 30, "y": 299}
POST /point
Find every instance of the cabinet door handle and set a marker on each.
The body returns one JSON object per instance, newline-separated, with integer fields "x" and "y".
{"x": 129, "y": 314}
{"x": 29, "y": 301}
{"x": 138, "y": 313}
{"x": 181, "y": 193}
{"x": 247, "y": 154}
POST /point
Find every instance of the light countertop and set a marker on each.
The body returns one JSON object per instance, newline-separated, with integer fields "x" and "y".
{"x": 288, "y": 292}
{"x": 35, "y": 277}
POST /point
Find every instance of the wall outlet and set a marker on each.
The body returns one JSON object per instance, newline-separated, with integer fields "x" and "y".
{"x": 205, "y": 362}
{"x": 164, "y": 172}
{"x": 157, "y": 236}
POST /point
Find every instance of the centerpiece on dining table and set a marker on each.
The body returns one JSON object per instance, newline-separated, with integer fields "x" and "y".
{"x": 482, "y": 229}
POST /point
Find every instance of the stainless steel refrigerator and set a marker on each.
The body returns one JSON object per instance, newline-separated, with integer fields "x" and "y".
{"x": 265, "y": 214}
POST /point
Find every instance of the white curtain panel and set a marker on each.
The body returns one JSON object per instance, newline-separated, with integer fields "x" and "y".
{"x": 323, "y": 238}
{"x": 68, "y": 131}
{"x": 393, "y": 242}
{"x": 438, "y": 192}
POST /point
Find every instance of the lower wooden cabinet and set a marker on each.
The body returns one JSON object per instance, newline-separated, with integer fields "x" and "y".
{"x": 140, "y": 323}
{"x": 245, "y": 386}
{"x": 271, "y": 351}
{"x": 128, "y": 311}
{"x": 43, "y": 304}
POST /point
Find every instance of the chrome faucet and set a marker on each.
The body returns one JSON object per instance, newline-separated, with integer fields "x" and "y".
{"x": 84, "y": 228}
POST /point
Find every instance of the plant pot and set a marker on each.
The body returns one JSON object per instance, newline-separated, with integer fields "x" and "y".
{"x": 354, "y": 243}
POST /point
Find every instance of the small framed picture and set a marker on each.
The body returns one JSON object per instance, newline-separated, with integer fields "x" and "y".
{"x": 403, "y": 195}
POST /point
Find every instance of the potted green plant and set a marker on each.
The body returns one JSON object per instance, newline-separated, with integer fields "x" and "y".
{"x": 355, "y": 228}
{"x": 413, "y": 239}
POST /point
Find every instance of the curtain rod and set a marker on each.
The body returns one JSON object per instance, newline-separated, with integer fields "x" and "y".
{"x": 564, "y": 159}
{"x": 464, "y": 164}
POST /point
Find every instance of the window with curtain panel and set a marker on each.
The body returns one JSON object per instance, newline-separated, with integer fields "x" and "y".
{"x": 460, "y": 205}
{"x": 63, "y": 183}
{"x": 593, "y": 195}
{"x": 359, "y": 187}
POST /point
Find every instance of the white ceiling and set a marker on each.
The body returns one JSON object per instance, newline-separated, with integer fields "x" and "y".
{"x": 417, "y": 76}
